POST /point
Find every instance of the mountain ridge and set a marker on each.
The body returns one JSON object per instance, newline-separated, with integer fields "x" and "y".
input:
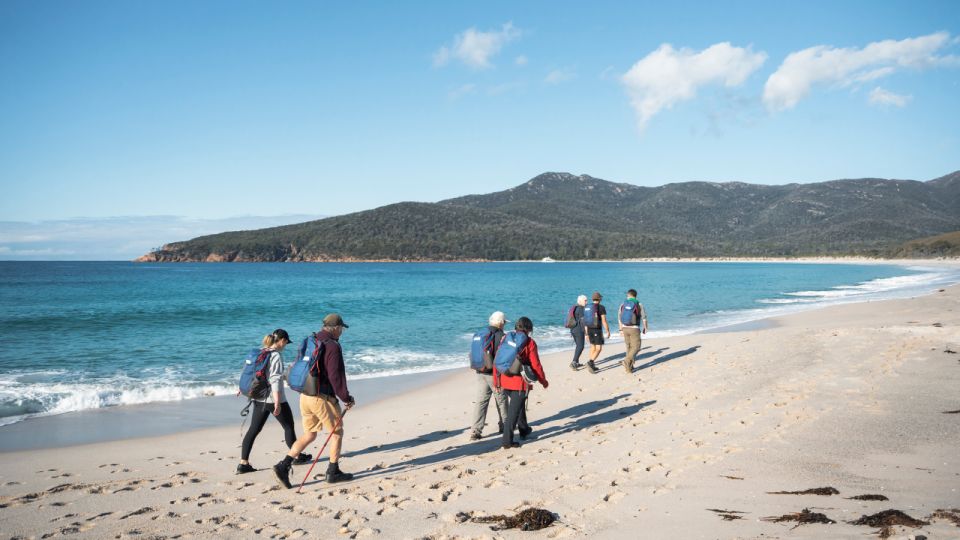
{"x": 576, "y": 217}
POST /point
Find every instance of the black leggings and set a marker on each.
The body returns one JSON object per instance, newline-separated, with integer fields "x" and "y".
{"x": 258, "y": 417}
{"x": 578, "y": 339}
{"x": 516, "y": 414}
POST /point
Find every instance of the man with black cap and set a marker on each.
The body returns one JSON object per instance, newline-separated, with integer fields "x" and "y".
{"x": 323, "y": 410}
{"x": 595, "y": 330}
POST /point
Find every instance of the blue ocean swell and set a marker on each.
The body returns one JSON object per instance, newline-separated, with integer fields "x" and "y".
{"x": 83, "y": 335}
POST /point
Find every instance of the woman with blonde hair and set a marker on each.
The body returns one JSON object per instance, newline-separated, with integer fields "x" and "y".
{"x": 274, "y": 402}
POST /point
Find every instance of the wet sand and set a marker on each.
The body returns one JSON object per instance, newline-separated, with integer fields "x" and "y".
{"x": 853, "y": 397}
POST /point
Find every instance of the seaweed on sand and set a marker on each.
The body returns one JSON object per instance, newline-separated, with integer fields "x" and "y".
{"x": 801, "y": 518}
{"x": 868, "y": 497}
{"x": 531, "y": 519}
{"x": 727, "y": 515}
{"x": 814, "y": 491}
{"x": 886, "y": 520}
{"x": 952, "y": 515}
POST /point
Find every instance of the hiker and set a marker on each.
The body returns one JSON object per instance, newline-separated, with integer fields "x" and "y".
{"x": 633, "y": 322}
{"x": 577, "y": 329}
{"x": 490, "y": 343}
{"x": 595, "y": 319}
{"x": 274, "y": 402}
{"x": 517, "y": 387}
{"x": 322, "y": 411}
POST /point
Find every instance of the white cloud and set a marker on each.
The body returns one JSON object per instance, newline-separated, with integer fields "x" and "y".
{"x": 558, "y": 76}
{"x": 822, "y": 64}
{"x": 521, "y": 60}
{"x": 879, "y": 96}
{"x": 668, "y": 76}
{"x": 475, "y": 48}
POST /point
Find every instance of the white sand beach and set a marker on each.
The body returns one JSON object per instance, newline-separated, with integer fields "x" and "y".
{"x": 861, "y": 398}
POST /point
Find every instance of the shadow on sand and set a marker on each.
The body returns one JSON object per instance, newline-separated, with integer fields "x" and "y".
{"x": 578, "y": 417}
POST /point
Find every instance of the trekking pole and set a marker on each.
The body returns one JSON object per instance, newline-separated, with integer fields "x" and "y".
{"x": 335, "y": 427}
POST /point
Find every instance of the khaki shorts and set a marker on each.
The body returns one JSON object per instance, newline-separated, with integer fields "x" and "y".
{"x": 320, "y": 413}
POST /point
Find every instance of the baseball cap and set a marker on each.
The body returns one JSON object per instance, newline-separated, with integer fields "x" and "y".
{"x": 334, "y": 319}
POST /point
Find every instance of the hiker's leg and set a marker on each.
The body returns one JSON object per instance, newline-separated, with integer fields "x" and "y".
{"x": 302, "y": 443}
{"x": 286, "y": 420}
{"x": 578, "y": 341}
{"x": 522, "y": 425}
{"x": 631, "y": 337}
{"x": 258, "y": 417}
{"x": 514, "y": 404}
{"x": 500, "y": 398}
{"x": 480, "y": 402}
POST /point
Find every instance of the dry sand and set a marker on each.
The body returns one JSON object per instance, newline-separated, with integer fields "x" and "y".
{"x": 852, "y": 397}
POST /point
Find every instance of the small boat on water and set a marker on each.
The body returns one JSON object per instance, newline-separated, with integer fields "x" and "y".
{"x": 547, "y": 259}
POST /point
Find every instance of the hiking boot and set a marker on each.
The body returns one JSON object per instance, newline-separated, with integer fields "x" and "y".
{"x": 282, "y": 472}
{"x": 475, "y": 436}
{"x": 244, "y": 468}
{"x": 591, "y": 367}
{"x": 524, "y": 433}
{"x": 575, "y": 366}
{"x": 302, "y": 458}
{"x": 334, "y": 474}
{"x": 507, "y": 446}
{"x": 628, "y": 366}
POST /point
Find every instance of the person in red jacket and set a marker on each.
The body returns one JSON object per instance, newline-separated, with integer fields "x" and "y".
{"x": 516, "y": 387}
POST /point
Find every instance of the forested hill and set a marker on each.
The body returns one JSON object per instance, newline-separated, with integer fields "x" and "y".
{"x": 570, "y": 217}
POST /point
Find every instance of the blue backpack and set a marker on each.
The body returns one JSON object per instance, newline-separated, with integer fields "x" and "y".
{"x": 630, "y": 313}
{"x": 508, "y": 355}
{"x": 591, "y": 319}
{"x": 481, "y": 351}
{"x": 300, "y": 373}
{"x": 253, "y": 377}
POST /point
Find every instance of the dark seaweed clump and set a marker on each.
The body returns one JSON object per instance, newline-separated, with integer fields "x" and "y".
{"x": 814, "y": 491}
{"x": 886, "y": 520}
{"x": 801, "y": 518}
{"x": 531, "y": 519}
{"x": 727, "y": 515}
{"x": 869, "y": 498}
{"x": 952, "y": 515}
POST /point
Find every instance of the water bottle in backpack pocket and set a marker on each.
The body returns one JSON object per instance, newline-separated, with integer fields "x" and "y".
{"x": 481, "y": 351}
{"x": 508, "y": 355}
{"x": 301, "y": 375}
{"x": 253, "y": 377}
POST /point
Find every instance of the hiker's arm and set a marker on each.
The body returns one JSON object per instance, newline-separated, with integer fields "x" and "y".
{"x": 643, "y": 317}
{"x": 534, "y": 357}
{"x": 276, "y": 380}
{"x": 336, "y": 372}
{"x": 619, "y": 320}
{"x": 605, "y": 324}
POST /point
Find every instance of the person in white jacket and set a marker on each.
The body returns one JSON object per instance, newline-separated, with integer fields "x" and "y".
{"x": 275, "y": 402}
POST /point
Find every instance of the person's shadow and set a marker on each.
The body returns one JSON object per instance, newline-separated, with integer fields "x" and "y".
{"x": 409, "y": 443}
{"x": 621, "y": 356}
{"x": 579, "y": 417}
{"x": 666, "y": 358}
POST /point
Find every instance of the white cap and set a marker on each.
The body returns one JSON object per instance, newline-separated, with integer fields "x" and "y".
{"x": 497, "y": 318}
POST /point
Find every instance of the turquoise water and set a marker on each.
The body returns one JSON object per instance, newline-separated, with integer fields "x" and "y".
{"x": 81, "y": 335}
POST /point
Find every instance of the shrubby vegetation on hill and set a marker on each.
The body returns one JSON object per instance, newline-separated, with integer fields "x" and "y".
{"x": 571, "y": 217}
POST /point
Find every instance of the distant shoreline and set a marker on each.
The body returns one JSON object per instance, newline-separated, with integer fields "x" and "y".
{"x": 822, "y": 260}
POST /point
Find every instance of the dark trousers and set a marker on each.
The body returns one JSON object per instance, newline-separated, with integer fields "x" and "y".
{"x": 258, "y": 417}
{"x": 516, "y": 414}
{"x": 578, "y": 338}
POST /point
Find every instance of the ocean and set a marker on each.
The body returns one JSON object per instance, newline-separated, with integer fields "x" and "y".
{"x": 86, "y": 335}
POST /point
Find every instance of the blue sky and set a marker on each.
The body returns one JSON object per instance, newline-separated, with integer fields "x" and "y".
{"x": 212, "y": 110}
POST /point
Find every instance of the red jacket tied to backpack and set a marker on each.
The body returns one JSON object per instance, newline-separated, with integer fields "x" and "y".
{"x": 530, "y": 357}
